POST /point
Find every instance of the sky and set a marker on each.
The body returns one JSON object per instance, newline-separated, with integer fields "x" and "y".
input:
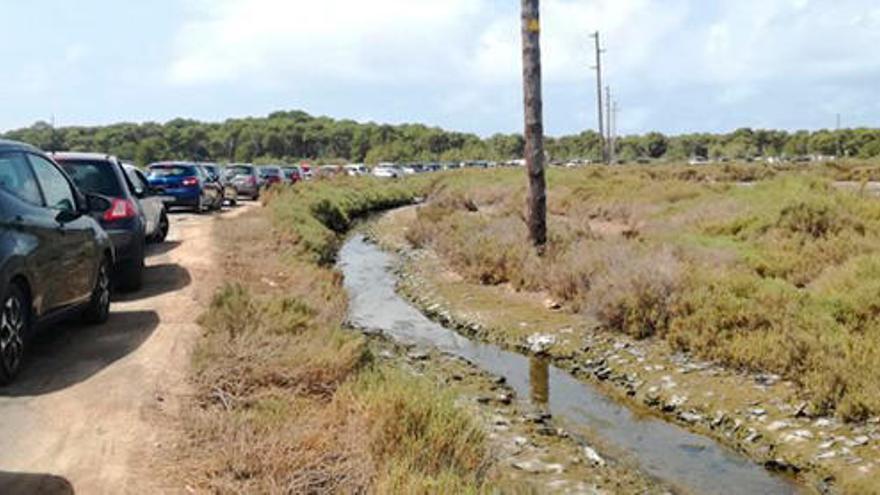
{"x": 674, "y": 66}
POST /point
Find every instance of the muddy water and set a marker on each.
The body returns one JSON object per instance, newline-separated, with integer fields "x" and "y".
{"x": 690, "y": 462}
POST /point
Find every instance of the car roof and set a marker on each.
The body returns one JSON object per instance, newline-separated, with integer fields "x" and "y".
{"x": 78, "y": 155}
{"x": 7, "y": 145}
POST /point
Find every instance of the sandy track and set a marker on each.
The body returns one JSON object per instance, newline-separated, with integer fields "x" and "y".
{"x": 87, "y": 413}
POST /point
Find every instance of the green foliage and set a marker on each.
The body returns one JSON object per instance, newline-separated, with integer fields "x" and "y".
{"x": 314, "y": 218}
{"x": 292, "y": 136}
{"x": 759, "y": 268}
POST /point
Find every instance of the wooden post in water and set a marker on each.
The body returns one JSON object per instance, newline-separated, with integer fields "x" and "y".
{"x": 534, "y": 122}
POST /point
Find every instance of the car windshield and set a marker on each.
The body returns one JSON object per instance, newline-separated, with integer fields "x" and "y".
{"x": 237, "y": 171}
{"x": 171, "y": 171}
{"x": 93, "y": 177}
{"x": 270, "y": 172}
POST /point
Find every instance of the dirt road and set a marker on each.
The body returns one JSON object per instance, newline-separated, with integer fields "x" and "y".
{"x": 86, "y": 414}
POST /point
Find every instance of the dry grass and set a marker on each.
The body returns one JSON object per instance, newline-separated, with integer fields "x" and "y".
{"x": 761, "y": 268}
{"x": 289, "y": 402}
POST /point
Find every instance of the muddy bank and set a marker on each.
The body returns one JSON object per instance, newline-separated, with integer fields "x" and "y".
{"x": 688, "y": 462}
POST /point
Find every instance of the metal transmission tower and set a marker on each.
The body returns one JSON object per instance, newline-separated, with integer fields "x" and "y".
{"x": 598, "y": 68}
{"x": 534, "y": 122}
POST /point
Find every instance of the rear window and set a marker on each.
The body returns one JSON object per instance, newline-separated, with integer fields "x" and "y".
{"x": 172, "y": 171}
{"x": 235, "y": 171}
{"x": 93, "y": 177}
{"x": 270, "y": 172}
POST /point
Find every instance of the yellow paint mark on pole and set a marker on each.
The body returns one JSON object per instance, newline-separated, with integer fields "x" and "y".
{"x": 534, "y": 26}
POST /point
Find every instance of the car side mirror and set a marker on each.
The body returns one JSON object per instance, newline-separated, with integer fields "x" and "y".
{"x": 67, "y": 215}
{"x": 97, "y": 204}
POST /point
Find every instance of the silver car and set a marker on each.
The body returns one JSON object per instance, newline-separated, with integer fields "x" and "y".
{"x": 246, "y": 180}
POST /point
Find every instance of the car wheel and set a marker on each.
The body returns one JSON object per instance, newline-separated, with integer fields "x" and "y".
{"x": 98, "y": 309}
{"x": 130, "y": 275}
{"x": 164, "y": 226}
{"x": 14, "y": 328}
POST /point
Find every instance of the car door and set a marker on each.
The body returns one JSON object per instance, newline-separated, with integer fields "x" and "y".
{"x": 35, "y": 229}
{"x": 150, "y": 204}
{"x": 78, "y": 259}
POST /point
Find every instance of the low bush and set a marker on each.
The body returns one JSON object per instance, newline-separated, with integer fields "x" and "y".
{"x": 775, "y": 275}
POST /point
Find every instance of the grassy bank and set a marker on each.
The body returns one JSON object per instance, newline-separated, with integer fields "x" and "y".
{"x": 760, "y": 268}
{"x": 287, "y": 401}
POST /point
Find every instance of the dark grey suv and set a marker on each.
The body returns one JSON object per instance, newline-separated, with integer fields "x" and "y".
{"x": 125, "y": 219}
{"x": 55, "y": 259}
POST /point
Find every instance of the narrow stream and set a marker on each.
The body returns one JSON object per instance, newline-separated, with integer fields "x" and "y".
{"x": 692, "y": 462}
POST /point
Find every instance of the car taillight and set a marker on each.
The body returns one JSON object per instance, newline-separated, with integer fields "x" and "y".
{"x": 190, "y": 181}
{"x": 120, "y": 209}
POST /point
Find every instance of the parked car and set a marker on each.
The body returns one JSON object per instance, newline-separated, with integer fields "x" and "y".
{"x": 386, "y": 172}
{"x": 213, "y": 182}
{"x": 125, "y": 220}
{"x": 329, "y": 170}
{"x": 292, "y": 174}
{"x": 356, "y": 170}
{"x": 216, "y": 173}
{"x": 271, "y": 175}
{"x": 155, "y": 212}
{"x": 245, "y": 179}
{"x": 184, "y": 184}
{"x": 55, "y": 259}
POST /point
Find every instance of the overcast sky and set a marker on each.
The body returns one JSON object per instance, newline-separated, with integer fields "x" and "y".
{"x": 675, "y": 65}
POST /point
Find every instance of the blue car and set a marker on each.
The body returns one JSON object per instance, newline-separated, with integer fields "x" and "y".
{"x": 186, "y": 185}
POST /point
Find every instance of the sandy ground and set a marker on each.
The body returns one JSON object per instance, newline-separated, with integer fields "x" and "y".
{"x": 91, "y": 409}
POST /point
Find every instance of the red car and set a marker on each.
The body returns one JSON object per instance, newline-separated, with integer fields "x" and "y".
{"x": 271, "y": 176}
{"x": 292, "y": 174}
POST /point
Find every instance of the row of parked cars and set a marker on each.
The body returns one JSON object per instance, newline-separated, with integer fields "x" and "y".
{"x": 74, "y": 227}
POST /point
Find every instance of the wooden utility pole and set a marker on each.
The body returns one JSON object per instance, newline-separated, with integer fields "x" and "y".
{"x": 613, "y": 132}
{"x": 534, "y": 122}
{"x": 609, "y": 139}
{"x": 598, "y": 67}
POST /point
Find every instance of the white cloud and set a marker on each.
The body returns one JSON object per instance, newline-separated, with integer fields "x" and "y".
{"x": 732, "y": 51}
{"x": 377, "y": 40}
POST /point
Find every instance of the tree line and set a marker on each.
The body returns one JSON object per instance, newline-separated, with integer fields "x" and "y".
{"x": 291, "y": 136}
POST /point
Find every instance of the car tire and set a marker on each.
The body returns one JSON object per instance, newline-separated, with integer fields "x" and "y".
{"x": 98, "y": 310}
{"x": 130, "y": 275}
{"x": 164, "y": 227}
{"x": 15, "y": 326}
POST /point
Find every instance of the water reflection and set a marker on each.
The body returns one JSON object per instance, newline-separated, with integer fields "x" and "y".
{"x": 539, "y": 379}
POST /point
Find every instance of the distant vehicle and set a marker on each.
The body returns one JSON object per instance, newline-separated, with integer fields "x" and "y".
{"x": 184, "y": 185}
{"x": 126, "y": 218}
{"x": 245, "y": 179}
{"x": 329, "y": 170}
{"x": 152, "y": 205}
{"x": 292, "y": 175}
{"x": 216, "y": 173}
{"x": 407, "y": 170}
{"x": 356, "y": 170}
{"x": 213, "y": 183}
{"x": 55, "y": 260}
{"x": 386, "y": 172}
{"x": 271, "y": 176}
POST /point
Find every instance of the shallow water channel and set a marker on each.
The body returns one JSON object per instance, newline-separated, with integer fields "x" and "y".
{"x": 690, "y": 462}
